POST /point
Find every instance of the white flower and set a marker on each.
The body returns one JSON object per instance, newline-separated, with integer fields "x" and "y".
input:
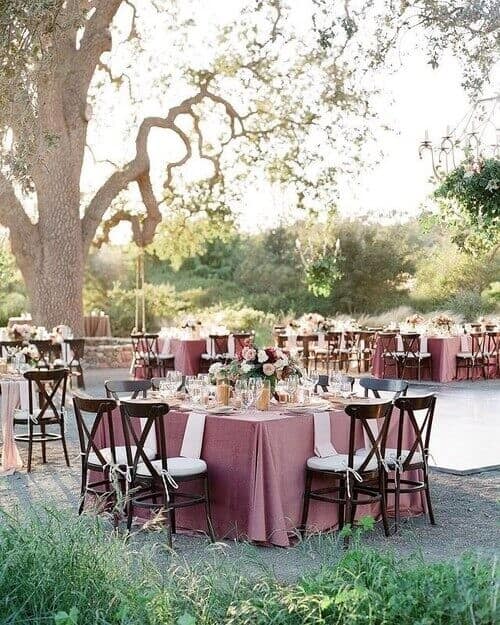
{"x": 281, "y": 363}
{"x": 246, "y": 368}
{"x": 492, "y": 185}
{"x": 268, "y": 369}
{"x": 215, "y": 368}
{"x": 262, "y": 356}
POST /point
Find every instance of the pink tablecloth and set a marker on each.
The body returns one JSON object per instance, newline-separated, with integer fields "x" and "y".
{"x": 256, "y": 466}
{"x": 11, "y": 460}
{"x": 187, "y": 354}
{"x": 443, "y": 352}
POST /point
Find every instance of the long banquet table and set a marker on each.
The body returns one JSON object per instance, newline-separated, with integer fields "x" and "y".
{"x": 443, "y": 352}
{"x": 256, "y": 466}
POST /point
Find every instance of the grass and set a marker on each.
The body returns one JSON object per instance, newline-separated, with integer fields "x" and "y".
{"x": 59, "y": 569}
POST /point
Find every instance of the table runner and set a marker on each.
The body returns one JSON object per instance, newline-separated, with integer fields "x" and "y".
{"x": 256, "y": 466}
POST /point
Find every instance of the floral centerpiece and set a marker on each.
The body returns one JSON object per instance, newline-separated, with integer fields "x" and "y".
{"x": 415, "y": 320}
{"x": 269, "y": 363}
{"x": 443, "y": 323}
{"x": 22, "y": 331}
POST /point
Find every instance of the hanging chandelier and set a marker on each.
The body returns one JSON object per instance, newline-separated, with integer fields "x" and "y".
{"x": 475, "y": 137}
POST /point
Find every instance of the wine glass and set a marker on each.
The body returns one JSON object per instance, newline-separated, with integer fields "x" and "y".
{"x": 334, "y": 382}
{"x": 247, "y": 397}
{"x": 314, "y": 377}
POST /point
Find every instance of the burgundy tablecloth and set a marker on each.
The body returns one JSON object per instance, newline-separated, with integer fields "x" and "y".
{"x": 443, "y": 352}
{"x": 256, "y": 466}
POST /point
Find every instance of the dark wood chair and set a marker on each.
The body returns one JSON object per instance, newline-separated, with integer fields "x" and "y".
{"x": 350, "y": 352}
{"x": 155, "y": 482}
{"x": 492, "y": 350}
{"x": 50, "y": 386}
{"x": 367, "y": 345}
{"x": 328, "y": 356}
{"x": 343, "y": 470}
{"x": 219, "y": 352}
{"x": 412, "y": 358}
{"x": 476, "y": 359}
{"x": 401, "y": 460}
{"x": 94, "y": 457}
{"x": 376, "y": 386}
{"x": 241, "y": 339}
{"x": 323, "y": 382}
{"x": 76, "y": 349}
{"x": 44, "y": 349}
{"x": 388, "y": 351}
{"x": 139, "y": 355}
{"x": 9, "y": 347}
{"x": 131, "y": 388}
{"x": 157, "y": 363}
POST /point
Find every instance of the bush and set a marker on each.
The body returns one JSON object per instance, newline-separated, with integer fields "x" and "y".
{"x": 470, "y": 305}
{"x": 68, "y": 570}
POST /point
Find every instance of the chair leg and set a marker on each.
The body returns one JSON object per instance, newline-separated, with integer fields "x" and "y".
{"x": 305, "y": 508}
{"x": 341, "y": 504}
{"x": 30, "y": 445}
{"x": 428, "y": 500}
{"x": 44, "y": 445}
{"x": 397, "y": 494}
{"x": 383, "y": 501}
{"x": 83, "y": 490}
{"x": 208, "y": 511}
{"x": 130, "y": 514}
{"x": 63, "y": 439}
{"x": 172, "y": 515}
{"x": 81, "y": 380}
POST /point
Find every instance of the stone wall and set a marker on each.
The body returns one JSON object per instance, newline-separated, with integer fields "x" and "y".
{"x": 107, "y": 353}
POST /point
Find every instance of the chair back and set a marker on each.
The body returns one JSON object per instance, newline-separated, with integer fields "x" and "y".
{"x": 376, "y": 385}
{"x": 351, "y": 340}
{"x": 411, "y": 344}
{"x": 388, "y": 342}
{"x": 89, "y": 432}
{"x": 130, "y": 387}
{"x": 151, "y": 346}
{"x": 492, "y": 343}
{"x": 44, "y": 349}
{"x": 420, "y": 430}
{"x": 368, "y": 415}
{"x": 140, "y": 418}
{"x": 368, "y": 339}
{"x": 478, "y": 340}
{"x": 77, "y": 347}
{"x": 10, "y": 345}
{"x": 333, "y": 340}
{"x": 47, "y": 383}
{"x": 241, "y": 340}
{"x": 219, "y": 344}
{"x": 323, "y": 382}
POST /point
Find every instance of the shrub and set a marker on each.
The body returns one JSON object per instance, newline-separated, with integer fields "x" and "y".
{"x": 59, "y": 568}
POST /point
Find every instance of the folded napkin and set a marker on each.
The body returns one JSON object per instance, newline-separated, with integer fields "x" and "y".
{"x": 193, "y": 435}
{"x": 399, "y": 344}
{"x": 321, "y": 340}
{"x": 323, "y": 447}
{"x": 423, "y": 343}
{"x": 464, "y": 343}
{"x": 209, "y": 347}
{"x": 231, "y": 347}
{"x": 165, "y": 350}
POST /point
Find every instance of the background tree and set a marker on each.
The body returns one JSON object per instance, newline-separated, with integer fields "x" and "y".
{"x": 261, "y": 93}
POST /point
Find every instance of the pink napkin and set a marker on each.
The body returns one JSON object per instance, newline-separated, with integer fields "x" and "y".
{"x": 464, "y": 343}
{"x": 193, "y": 435}
{"x": 323, "y": 447}
{"x": 11, "y": 460}
{"x": 165, "y": 350}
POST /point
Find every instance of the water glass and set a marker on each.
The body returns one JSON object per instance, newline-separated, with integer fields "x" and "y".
{"x": 345, "y": 387}
{"x": 247, "y": 397}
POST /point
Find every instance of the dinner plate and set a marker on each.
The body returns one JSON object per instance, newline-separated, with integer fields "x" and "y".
{"x": 312, "y": 407}
{"x": 220, "y": 410}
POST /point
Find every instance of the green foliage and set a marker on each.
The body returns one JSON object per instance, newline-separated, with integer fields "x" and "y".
{"x": 12, "y": 293}
{"x": 67, "y": 570}
{"x": 470, "y": 202}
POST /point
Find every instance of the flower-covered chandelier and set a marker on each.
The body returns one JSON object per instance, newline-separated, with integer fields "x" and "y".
{"x": 476, "y": 137}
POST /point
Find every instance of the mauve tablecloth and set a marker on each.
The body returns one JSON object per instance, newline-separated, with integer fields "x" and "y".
{"x": 443, "y": 352}
{"x": 256, "y": 466}
{"x": 96, "y": 325}
{"x": 11, "y": 460}
{"x": 187, "y": 354}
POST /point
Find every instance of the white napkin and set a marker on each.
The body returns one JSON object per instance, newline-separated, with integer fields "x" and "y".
{"x": 165, "y": 350}
{"x": 24, "y": 400}
{"x": 464, "y": 343}
{"x": 423, "y": 343}
{"x": 193, "y": 435}
{"x": 323, "y": 447}
{"x": 321, "y": 340}
{"x": 209, "y": 346}
{"x": 399, "y": 344}
{"x": 291, "y": 341}
{"x": 231, "y": 346}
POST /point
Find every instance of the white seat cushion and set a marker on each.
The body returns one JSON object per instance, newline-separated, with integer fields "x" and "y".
{"x": 338, "y": 462}
{"x": 391, "y": 455}
{"x": 120, "y": 453}
{"x": 464, "y": 354}
{"x": 177, "y": 467}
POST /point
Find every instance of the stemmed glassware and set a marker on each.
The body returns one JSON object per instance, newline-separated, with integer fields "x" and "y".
{"x": 247, "y": 396}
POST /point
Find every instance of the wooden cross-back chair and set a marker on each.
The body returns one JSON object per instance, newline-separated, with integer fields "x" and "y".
{"x": 50, "y": 386}
{"x": 474, "y": 360}
{"x": 412, "y": 357}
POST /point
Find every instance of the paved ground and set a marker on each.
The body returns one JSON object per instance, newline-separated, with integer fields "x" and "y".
{"x": 466, "y": 510}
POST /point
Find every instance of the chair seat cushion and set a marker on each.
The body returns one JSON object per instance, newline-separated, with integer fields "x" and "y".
{"x": 177, "y": 467}
{"x": 392, "y": 454}
{"x": 165, "y": 356}
{"x": 120, "y": 454}
{"x": 338, "y": 462}
{"x": 470, "y": 355}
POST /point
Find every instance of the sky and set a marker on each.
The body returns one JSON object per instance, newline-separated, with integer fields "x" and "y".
{"x": 416, "y": 99}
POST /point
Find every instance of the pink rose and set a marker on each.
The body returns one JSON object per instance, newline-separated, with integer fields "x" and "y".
{"x": 268, "y": 369}
{"x": 249, "y": 353}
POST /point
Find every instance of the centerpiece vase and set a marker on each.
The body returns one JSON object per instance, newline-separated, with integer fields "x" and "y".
{"x": 264, "y": 396}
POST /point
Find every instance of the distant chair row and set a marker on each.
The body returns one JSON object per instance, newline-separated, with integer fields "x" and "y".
{"x": 68, "y": 354}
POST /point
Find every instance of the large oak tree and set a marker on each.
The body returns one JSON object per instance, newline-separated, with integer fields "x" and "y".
{"x": 287, "y": 102}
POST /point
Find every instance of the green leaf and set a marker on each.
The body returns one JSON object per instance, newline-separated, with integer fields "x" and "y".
{"x": 63, "y": 618}
{"x": 186, "y": 619}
